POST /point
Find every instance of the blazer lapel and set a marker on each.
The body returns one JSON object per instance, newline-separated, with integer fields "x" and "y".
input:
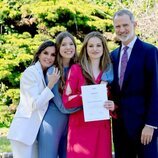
{"x": 115, "y": 61}
{"x": 132, "y": 60}
{"x": 39, "y": 69}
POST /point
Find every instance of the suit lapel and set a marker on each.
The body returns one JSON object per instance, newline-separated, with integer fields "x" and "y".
{"x": 39, "y": 69}
{"x": 132, "y": 60}
{"x": 115, "y": 60}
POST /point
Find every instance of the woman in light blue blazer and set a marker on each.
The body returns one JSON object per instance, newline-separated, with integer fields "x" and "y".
{"x": 34, "y": 98}
{"x": 52, "y": 136}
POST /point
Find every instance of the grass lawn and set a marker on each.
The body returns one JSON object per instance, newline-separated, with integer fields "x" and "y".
{"x": 4, "y": 142}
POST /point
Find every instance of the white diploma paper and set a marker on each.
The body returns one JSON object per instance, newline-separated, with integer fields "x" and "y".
{"x": 93, "y": 98}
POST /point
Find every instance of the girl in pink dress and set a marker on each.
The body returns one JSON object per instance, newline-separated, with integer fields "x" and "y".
{"x": 88, "y": 139}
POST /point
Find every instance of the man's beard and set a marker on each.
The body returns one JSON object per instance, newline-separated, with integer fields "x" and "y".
{"x": 125, "y": 38}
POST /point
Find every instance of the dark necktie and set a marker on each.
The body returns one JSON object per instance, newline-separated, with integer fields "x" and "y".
{"x": 124, "y": 61}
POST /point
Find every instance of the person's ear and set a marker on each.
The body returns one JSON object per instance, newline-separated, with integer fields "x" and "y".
{"x": 135, "y": 23}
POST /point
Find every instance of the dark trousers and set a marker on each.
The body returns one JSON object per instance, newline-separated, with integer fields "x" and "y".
{"x": 127, "y": 146}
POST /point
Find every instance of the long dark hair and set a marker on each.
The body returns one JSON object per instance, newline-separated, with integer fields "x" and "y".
{"x": 73, "y": 60}
{"x": 43, "y": 46}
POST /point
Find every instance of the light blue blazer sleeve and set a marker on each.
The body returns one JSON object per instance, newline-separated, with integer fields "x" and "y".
{"x": 108, "y": 74}
{"x": 57, "y": 99}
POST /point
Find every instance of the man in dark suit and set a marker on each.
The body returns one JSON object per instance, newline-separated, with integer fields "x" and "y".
{"x": 134, "y": 91}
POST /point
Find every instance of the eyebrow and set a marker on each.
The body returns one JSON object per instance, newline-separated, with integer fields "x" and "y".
{"x": 47, "y": 52}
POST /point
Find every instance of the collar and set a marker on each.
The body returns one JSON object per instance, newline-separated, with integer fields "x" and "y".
{"x": 131, "y": 44}
{"x": 39, "y": 69}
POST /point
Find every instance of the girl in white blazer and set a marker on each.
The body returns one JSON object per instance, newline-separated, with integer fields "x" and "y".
{"x": 34, "y": 99}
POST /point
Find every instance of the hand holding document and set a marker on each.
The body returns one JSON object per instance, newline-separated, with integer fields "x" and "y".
{"x": 93, "y": 98}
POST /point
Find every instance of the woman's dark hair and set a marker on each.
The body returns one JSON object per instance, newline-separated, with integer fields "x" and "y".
{"x": 42, "y": 47}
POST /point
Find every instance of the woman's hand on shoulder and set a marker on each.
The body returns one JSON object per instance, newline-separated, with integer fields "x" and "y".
{"x": 53, "y": 78}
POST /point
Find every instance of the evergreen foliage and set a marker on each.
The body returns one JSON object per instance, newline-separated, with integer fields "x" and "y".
{"x": 24, "y": 24}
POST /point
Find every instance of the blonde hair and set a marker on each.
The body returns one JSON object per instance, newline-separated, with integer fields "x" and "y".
{"x": 85, "y": 61}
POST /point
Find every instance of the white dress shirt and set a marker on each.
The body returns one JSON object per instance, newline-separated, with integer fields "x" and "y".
{"x": 129, "y": 50}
